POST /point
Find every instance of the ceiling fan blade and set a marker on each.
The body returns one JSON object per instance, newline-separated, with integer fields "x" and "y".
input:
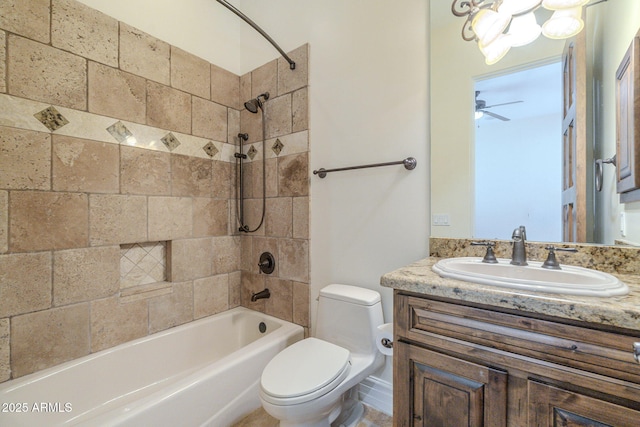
{"x": 497, "y": 116}
{"x": 504, "y": 103}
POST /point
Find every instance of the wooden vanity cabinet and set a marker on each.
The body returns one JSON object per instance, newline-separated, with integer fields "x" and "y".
{"x": 470, "y": 365}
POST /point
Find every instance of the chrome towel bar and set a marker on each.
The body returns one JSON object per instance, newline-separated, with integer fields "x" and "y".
{"x": 409, "y": 164}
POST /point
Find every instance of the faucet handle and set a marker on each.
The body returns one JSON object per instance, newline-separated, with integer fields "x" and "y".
{"x": 519, "y": 233}
{"x": 489, "y": 256}
{"x": 551, "y": 262}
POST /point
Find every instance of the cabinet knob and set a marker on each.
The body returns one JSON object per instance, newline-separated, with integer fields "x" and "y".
{"x": 636, "y": 351}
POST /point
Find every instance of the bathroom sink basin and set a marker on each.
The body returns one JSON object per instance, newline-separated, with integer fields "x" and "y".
{"x": 569, "y": 280}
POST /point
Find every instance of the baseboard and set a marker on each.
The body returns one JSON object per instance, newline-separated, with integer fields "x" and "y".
{"x": 377, "y": 393}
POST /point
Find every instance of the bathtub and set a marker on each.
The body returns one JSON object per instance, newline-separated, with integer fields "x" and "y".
{"x": 204, "y": 373}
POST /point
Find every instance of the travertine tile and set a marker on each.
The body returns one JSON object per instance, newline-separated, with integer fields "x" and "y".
{"x": 294, "y": 259}
{"x": 265, "y": 79}
{"x": 113, "y": 322}
{"x": 27, "y": 18}
{"x": 84, "y": 31}
{"x": 25, "y": 283}
{"x": 210, "y": 217}
{"x": 144, "y": 55}
{"x": 235, "y": 287}
{"x": 5, "y": 355}
{"x": 293, "y": 175}
{"x": 116, "y": 93}
{"x": 46, "y": 338}
{"x": 233, "y": 126}
{"x": 253, "y": 216}
{"x": 278, "y": 116}
{"x": 209, "y": 119}
{"x": 272, "y": 177}
{"x": 173, "y": 309}
{"x": 3, "y": 61}
{"x": 4, "y": 221}
{"x": 280, "y": 303}
{"x": 301, "y": 304}
{"x": 29, "y": 154}
{"x": 83, "y": 165}
{"x": 46, "y": 74}
{"x": 168, "y": 108}
{"x": 301, "y": 217}
{"x": 210, "y": 295}
{"x": 85, "y": 274}
{"x": 222, "y": 173}
{"x": 225, "y": 87}
{"x": 145, "y": 171}
{"x": 117, "y": 219}
{"x": 251, "y": 124}
{"x": 41, "y": 221}
{"x": 190, "y": 176}
{"x": 290, "y": 80}
{"x": 300, "y": 110}
{"x": 170, "y": 218}
{"x": 190, "y": 73}
{"x": 279, "y": 217}
{"x": 190, "y": 258}
{"x": 226, "y": 254}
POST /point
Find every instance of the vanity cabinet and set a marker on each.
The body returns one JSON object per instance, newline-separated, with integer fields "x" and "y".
{"x": 460, "y": 364}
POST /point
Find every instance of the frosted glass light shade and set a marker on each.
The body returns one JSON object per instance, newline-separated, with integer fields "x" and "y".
{"x": 524, "y": 29}
{"x": 564, "y": 23}
{"x": 496, "y": 50}
{"x": 516, "y": 7}
{"x": 563, "y": 4}
{"x": 488, "y": 25}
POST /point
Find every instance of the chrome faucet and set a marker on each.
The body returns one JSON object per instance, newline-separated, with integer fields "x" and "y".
{"x": 519, "y": 254}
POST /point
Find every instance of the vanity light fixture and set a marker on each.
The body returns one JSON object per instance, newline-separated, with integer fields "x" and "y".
{"x": 499, "y": 25}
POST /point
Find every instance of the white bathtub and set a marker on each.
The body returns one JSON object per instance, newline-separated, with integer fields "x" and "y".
{"x": 203, "y": 373}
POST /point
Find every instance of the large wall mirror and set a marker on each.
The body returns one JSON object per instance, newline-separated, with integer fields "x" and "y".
{"x": 514, "y": 178}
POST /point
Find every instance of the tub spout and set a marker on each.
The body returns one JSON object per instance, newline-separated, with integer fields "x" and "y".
{"x": 260, "y": 295}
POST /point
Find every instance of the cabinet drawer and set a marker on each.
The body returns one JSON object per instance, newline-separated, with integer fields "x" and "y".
{"x": 587, "y": 349}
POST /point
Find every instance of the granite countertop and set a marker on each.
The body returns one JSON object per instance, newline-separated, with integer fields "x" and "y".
{"x": 621, "y": 311}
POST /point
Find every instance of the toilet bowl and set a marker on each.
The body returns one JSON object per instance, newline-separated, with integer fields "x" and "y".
{"x": 306, "y": 383}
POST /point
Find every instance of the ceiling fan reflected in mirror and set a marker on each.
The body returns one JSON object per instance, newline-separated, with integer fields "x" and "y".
{"x": 481, "y": 108}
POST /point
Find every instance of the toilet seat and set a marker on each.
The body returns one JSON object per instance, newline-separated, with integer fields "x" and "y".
{"x": 304, "y": 371}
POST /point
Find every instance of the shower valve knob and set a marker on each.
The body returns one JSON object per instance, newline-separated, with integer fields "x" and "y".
{"x": 267, "y": 263}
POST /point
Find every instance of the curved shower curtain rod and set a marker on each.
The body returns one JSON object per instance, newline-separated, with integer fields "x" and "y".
{"x": 292, "y": 65}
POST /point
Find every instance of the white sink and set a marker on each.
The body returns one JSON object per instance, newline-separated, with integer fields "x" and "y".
{"x": 569, "y": 280}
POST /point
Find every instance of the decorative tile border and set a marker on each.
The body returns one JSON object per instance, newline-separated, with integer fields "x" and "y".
{"x": 21, "y": 113}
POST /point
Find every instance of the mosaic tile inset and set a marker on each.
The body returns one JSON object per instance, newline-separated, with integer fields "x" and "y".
{"x": 210, "y": 149}
{"x": 120, "y": 132}
{"x": 142, "y": 263}
{"x": 51, "y": 118}
{"x": 252, "y": 152}
{"x": 277, "y": 147}
{"x": 170, "y": 141}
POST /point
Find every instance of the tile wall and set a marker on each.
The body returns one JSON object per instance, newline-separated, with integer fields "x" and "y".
{"x": 117, "y": 184}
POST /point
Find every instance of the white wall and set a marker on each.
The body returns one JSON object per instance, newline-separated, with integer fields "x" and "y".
{"x": 368, "y": 104}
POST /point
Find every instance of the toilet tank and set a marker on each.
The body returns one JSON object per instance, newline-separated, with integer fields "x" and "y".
{"x": 348, "y": 316}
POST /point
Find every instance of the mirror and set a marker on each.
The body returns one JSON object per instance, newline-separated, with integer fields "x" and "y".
{"x": 456, "y": 67}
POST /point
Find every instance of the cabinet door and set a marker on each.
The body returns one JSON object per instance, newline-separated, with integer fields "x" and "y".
{"x": 550, "y": 407}
{"x": 449, "y": 392}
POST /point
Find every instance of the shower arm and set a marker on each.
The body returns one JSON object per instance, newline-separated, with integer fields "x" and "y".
{"x": 245, "y": 18}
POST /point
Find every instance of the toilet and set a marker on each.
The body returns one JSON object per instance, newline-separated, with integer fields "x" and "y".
{"x": 308, "y": 383}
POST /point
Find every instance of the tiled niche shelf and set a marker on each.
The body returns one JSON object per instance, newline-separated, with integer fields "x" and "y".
{"x": 143, "y": 270}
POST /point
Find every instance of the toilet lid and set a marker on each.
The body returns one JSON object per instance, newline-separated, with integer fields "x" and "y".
{"x": 304, "y": 367}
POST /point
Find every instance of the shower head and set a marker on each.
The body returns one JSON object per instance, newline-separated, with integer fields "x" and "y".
{"x": 253, "y": 104}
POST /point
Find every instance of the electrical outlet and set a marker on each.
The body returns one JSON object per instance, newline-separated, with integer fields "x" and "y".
{"x": 440, "y": 220}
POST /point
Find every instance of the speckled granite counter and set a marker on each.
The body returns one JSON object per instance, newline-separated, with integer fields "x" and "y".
{"x": 621, "y": 312}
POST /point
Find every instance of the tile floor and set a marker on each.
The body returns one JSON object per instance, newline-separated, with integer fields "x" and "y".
{"x": 259, "y": 418}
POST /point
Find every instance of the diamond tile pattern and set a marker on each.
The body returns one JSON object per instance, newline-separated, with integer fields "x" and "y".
{"x": 210, "y": 149}
{"x": 252, "y": 152}
{"x": 142, "y": 263}
{"x": 120, "y": 132}
{"x": 277, "y": 147}
{"x": 170, "y": 141}
{"x": 51, "y": 118}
